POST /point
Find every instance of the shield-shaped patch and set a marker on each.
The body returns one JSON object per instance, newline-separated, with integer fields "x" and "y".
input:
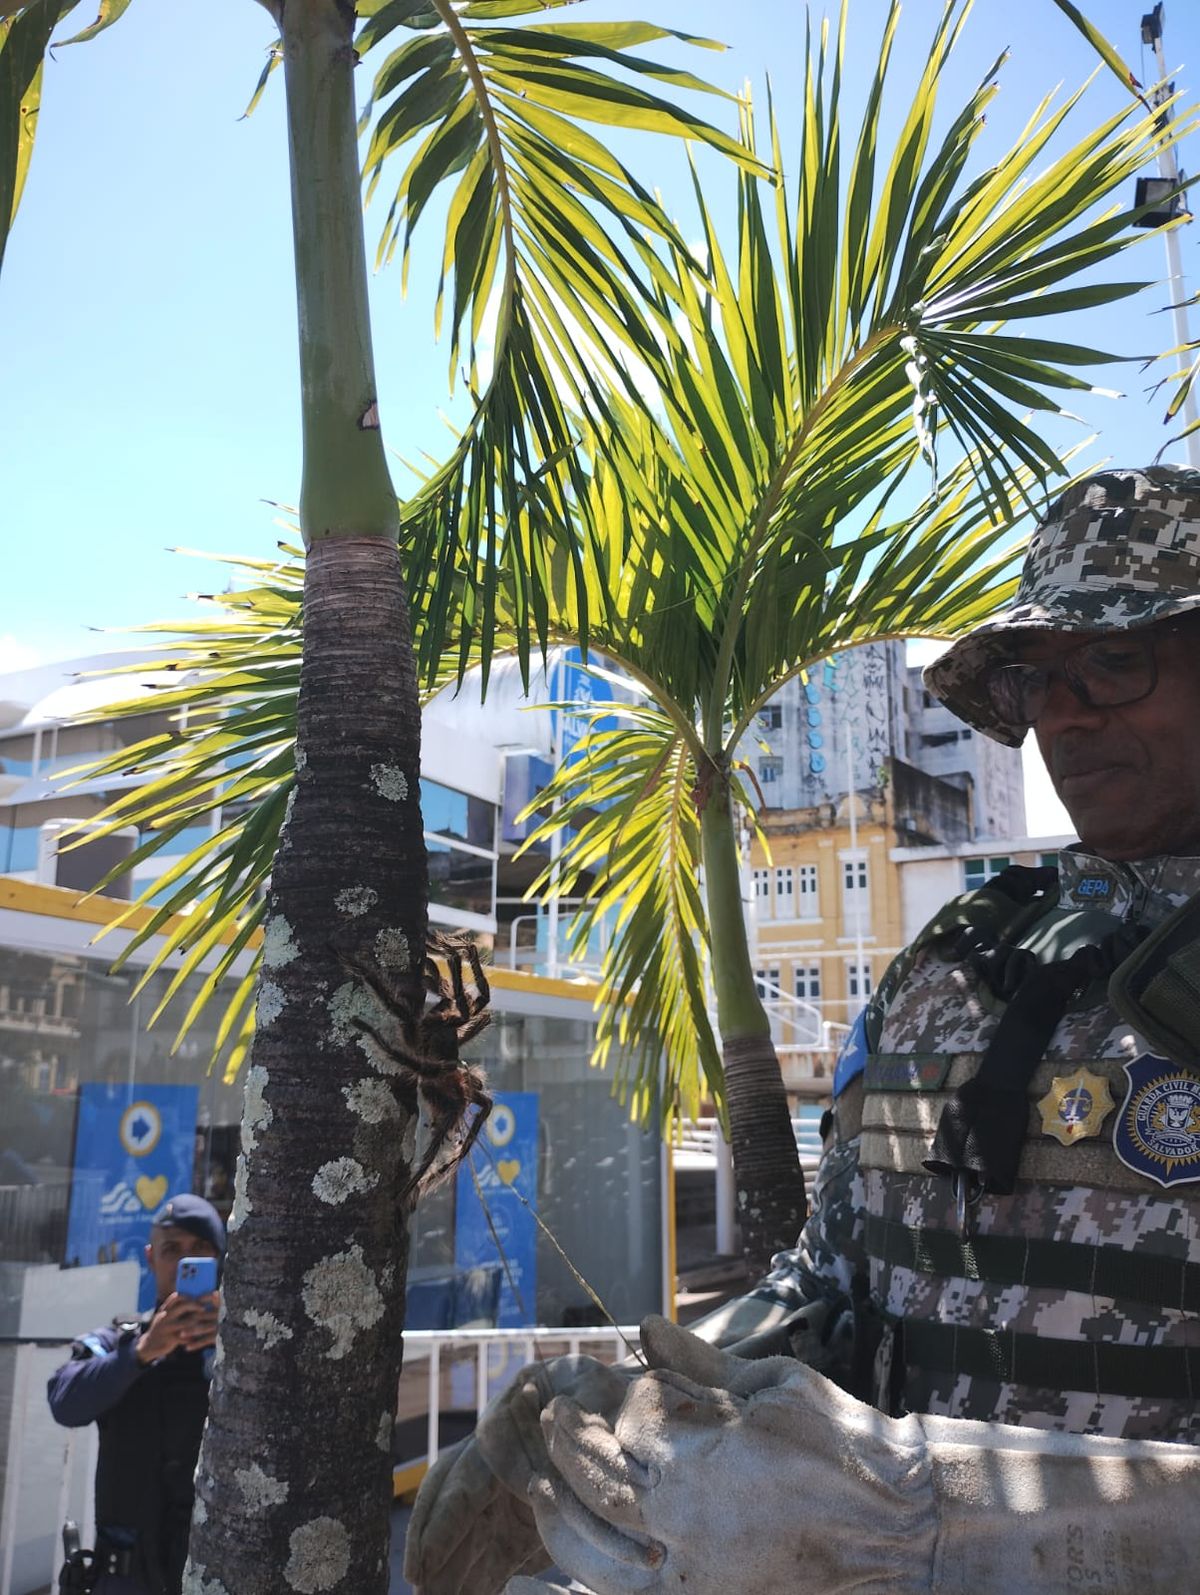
{"x": 1157, "y": 1132}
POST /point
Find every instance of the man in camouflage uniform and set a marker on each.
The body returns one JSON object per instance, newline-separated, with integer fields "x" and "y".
{"x": 1006, "y": 1223}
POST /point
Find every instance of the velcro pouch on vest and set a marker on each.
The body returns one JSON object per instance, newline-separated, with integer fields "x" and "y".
{"x": 1157, "y": 989}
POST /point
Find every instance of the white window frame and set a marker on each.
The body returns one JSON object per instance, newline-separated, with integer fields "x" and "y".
{"x": 859, "y": 981}
{"x": 806, "y": 982}
{"x": 808, "y": 898}
{"x": 785, "y": 892}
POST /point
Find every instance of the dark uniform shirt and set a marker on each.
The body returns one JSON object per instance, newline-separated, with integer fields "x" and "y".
{"x": 151, "y": 1420}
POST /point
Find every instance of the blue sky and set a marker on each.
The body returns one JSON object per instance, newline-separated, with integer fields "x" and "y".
{"x": 147, "y": 338}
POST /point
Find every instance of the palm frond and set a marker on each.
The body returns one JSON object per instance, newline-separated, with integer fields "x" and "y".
{"x": 546, "y": 231}
{"x": 630, "y": 835}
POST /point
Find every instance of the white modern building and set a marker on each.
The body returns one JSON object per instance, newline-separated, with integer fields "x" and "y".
{"x": 832, "y": 731}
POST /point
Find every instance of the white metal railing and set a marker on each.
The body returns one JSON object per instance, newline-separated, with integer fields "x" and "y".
{"x": 796, "y": 1022}
{"x": 699, "y": 1137}
{"x": 429, "y": 1343}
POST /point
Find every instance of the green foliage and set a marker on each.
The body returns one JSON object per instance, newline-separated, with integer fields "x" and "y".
{"x": 776, "y": 498}
{"x": 545, "y": 229}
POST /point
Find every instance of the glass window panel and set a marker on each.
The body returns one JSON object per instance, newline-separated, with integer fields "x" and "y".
{"x": 458, "y": 879}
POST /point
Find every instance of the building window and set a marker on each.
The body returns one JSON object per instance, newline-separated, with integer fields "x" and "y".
{"x": 978, "y": 870}
{"x": 769, "y": 771}
{"x": 807, "y": 983}
{"x": 939, "y": 739}
{"x": 784, "y": 900}
{"x": 1048, "y": 860}
{"x": 767, "y": 984}
{"x": 854, "y": 874}
{"x": 770, "y": 718}
{"x": 858, "y": 981}
{"x": 808, "y": 891}
{"x": 762, "y": 887}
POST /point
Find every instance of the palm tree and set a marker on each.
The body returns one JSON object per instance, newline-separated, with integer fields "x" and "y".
{"x": 780, "y": 502}
{"x": 294, "y": 1481}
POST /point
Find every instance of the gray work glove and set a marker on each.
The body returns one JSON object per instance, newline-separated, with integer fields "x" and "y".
{"x": 472, "y": 1527}
{"x": 763, "y": 1478}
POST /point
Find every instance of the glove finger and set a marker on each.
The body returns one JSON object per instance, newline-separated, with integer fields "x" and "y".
{"x": 591, "y": 1550}
{"x": 666, "y": 1345}
{"x": 509, "y": 1437}
{"x": 601, "y": 1474}
{"x": 452, "y": 1495}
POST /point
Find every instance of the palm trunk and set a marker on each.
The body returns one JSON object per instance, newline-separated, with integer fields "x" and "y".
{"x": 295, "y": 1477}
{"x": 769, "y": 1182}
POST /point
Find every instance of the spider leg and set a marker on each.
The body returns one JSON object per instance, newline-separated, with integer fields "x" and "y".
{"x": 386, "y": 998}
{"x": 414, "y": 1064}
{"x": 483, "y": 991}
{"x": 472, "y": 1027}
{"x": 425, "y": 1177}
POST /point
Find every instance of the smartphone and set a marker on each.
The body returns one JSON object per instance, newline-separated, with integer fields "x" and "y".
{"x": 196, "y": 1276}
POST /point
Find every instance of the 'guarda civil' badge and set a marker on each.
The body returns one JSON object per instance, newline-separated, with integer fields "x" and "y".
{"x": 1075, "y": 1106}
{"x": 1157, "y": 1132}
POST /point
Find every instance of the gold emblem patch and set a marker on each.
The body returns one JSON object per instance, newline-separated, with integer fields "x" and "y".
{"x": 1075, "y": 1106}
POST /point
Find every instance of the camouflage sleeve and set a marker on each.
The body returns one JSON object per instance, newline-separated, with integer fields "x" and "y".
{"x": 830, "y": 1253}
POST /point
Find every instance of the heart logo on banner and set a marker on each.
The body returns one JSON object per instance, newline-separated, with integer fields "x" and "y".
{"x": 151, "y": 1191}
{"x": 508, "y": 1169}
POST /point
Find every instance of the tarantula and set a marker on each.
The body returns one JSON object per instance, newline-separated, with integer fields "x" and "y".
{"x": 426, "y": 1050}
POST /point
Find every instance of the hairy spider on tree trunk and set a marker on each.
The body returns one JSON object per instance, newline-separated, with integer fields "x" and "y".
{"x": 425, "y": 1049}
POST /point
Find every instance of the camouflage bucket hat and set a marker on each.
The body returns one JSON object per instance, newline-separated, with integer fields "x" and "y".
{"x": 1117, "y": 551}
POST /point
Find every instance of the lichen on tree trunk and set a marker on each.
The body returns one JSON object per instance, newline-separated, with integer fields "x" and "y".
{"x": 296, "y": 1472}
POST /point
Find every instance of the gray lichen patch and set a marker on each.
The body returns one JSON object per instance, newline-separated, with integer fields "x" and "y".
{"x": 392, "y": 950}
{"x": 383, "y": 1435}
{"x": 197, "y": 1582}
{"x": 356, "y": 900}
{"x": 242, "y": 1206}
{"x": 350, "y": 1002}
{"x": 342, "y": 1177}
{"x": 266, "y": 1327}
{"x": 340, "y": 1295}
{"x": 269, "y": 1004}
{"x": 279, "y": 945}
{"x": 319, "y": 1556}
{"x": 371, "y": 1101}
{"x": 256, "y": 1110}
{"x": 259, "y": 1489}
{"x": 390, "y": 781}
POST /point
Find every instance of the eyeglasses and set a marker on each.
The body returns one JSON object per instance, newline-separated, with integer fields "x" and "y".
{"x": 1117, "y": 668}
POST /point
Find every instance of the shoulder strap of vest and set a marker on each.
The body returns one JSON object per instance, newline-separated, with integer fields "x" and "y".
{"x": 1010, "y": 902}
{"x": 1000, "y": 911}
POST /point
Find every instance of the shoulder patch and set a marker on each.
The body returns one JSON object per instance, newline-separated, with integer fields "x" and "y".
{"x": 852, "y": 1059}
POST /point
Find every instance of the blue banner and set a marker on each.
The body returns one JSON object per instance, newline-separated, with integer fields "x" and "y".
{"x": 575, "y": 686}
{"x": 134, "y": 1147}
{"x": 505, "y": 1160}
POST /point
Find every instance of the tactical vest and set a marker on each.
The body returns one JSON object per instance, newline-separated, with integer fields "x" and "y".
{"x": 1071, "y": 1301}
{"x": 149, "y": 1445}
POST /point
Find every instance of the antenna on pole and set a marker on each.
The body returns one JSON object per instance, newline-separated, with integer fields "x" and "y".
{"x": 1161, "y": 188}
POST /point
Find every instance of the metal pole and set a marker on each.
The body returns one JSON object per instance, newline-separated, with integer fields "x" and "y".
{"x": 724, "y": 1195}
{"x": 1169, "y": 168}
{"x": 556, "y": 839}
{"x": 16, "y": 1442}
{"x": 852, "y": 801}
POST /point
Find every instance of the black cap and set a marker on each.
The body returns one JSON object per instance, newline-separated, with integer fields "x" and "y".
{"x": 194, "y": 1214}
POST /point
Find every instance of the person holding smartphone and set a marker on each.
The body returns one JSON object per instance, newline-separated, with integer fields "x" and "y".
{"x": 144, "y": 1381}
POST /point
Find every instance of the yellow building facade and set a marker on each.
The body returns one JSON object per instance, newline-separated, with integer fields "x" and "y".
{"x": 827, "y": 917}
